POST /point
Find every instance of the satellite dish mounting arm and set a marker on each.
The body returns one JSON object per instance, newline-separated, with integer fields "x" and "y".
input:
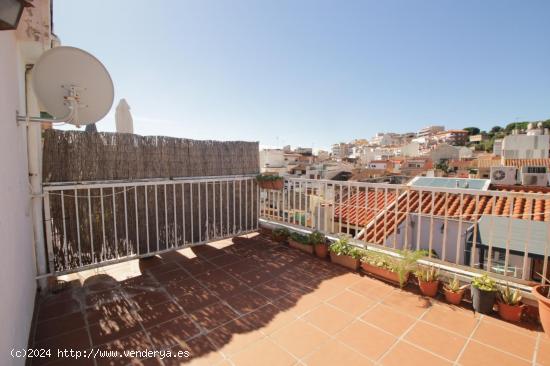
{"x": 71, "y": 100}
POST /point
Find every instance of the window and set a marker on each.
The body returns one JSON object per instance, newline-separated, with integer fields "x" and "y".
{"x": 536, "y": 169}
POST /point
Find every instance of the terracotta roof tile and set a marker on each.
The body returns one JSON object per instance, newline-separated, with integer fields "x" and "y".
{"x": 353, "y": 210}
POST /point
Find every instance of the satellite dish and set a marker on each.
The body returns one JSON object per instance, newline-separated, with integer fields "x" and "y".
{"x": 72, "y": 85}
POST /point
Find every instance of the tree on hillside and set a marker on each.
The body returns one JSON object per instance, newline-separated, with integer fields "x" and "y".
{"x": 472, "y": 130}
{"x": 495, "y": 129}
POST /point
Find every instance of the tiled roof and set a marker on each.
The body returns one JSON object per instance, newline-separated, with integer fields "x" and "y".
{"x": 527, "y": 162}
{"x": 359, "y": 210}
{"x": 444, "y": 203}
{"x": 487, "y": 162}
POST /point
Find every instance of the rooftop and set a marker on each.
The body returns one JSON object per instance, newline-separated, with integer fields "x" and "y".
{"x": 246, "y": 299}
{"x": 440, "y": 182}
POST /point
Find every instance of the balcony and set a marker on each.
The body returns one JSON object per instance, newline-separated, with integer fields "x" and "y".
{"x": 240, "y": 298}
{"x": 249, "y": 301}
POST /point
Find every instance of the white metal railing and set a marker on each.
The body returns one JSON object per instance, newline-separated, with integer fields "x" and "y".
{"x": 93, "y": 224}
{"x": 503, "y": 232}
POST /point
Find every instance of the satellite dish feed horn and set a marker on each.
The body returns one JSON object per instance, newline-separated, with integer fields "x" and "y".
{"x": 71, "y": 85}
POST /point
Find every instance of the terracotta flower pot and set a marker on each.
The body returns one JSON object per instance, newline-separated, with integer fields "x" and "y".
{"x": 540, "y": 293}
{"x": 277, "y": 184}
{"x": 278, "y": 238}
{"x": 381, "y": 273}
{"x": 429, "y": 288}
{"x": 454, "y": 297}
{"x": 321, "y": 250}
{"x": 512, "y": 313}
{"x": 345, "y": 260}
{"x": 303, "y": 247}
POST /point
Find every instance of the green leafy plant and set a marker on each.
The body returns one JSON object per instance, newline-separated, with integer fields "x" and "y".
{"x": 484, "y": 283}
{"x": 453, "y": 285}
{"x": 282, "y": 232}
{"x": 267, "y": 177}
{"x": 343, "y": 247}
{"x": 509, "y": 296}
{"x": 402, "y": 265}
{"x": 316, "y": 237}
{"x": 300, "y": 238}
{"x": 427, "y": 274}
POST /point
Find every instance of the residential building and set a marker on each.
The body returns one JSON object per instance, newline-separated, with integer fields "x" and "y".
{"x": 411, "y": 149}
{"x": 497, "y": 147}
{"x": 452, "y": 137}
{"x": 429, "y": 131}
{"x": 304, "y": 150}
{"x": 340, "y": 150}
{"x": 444, "y": 152}
{"x": 272, "y": 160}
{"x": 533, "y": 145}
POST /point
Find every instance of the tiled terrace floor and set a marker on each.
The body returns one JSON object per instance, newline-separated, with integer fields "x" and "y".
{"x": 248, "y": 301}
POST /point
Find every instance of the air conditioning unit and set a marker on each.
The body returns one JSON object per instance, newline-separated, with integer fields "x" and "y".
{"x": 533, "y": 179}
{"x": 504, "y": 175}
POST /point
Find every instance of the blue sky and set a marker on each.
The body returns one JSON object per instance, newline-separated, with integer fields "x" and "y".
{"x": 312, "y": 73}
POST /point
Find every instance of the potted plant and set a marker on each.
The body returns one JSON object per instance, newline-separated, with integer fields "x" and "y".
{"x": 509, "y": 304}
{"x": 453, "y": 291}
{"x": 542, "y": 294}
{"x": 300, "y": 242}
{"x": 345, "y": 254}
{"x": 318, "y": 240}
{"x": 483, "y": 294}
{"x": 428, "y": 280}
{"x": 280, "y": 235}
{"x": 270, "y": 181}
{"x": 391, "y": 268}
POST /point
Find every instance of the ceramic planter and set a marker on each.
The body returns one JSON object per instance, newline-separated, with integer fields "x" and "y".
{"x": 540, "y": 292}
{"x": 511, "y": 313}
{"x": 429, "y": 288}
{"x": 483, "y": 301}
{"x": 345, "y": 260}
{"x": 303, "y": 247}
{"x": 454, "y": 297}
{"x": 278, "y": 238}
{"x": 265, "y": 184}
{"x": 278, "y": 184}
{"x": 381, "y": 273}
{"x": 321, "y": 250}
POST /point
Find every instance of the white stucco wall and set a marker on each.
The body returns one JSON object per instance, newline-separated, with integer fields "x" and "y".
{"x": 17, "y": 266}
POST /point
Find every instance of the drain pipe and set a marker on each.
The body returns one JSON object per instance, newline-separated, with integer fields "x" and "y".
{"x": 34, "y": 158}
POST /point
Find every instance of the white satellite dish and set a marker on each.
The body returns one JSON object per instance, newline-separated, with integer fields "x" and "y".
{"x": 72, "y": 85}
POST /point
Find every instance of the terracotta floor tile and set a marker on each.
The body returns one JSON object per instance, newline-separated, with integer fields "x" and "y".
{"x": 336, "y": 353}
{"x": 299, "y": 338}
{"x": 344, "y": 280}
{"x": 372, "y": 289}
{"x": 351, "y": 303}
{"x": 214, "y": 315}
{"x": 225, "y": 260}
{"x": 136, "y": 342}
{"x": 60, "y": 325}
{"x": 153, "y": 315}
{"x": 172, "y": 333}
{"x": 116, "y": 327}
{"x": 201, "y": 351}
{"x": 543, "y": 354}
{"x": 453, "y": 320}
{"x": 506, "y": 340}
{"x": 235, "y": 336}
{"x": 388, "y": 319}
{"x": 57, "y": 309}
{"x": 264, "y": 352}
{"x": 103, "y": 297}
{"x": 328, "y": 318}
{"x": 477, "y": 354}
{"x": 247, "y": 301}
{"x": 196, "y": 267}
{"x": 298, "y": 304}
{"x": 77, "y": 340}
{"x": 279, "y": 320}
{"x": 366, "y": 339}
{"x": 436, "y": 340}
{"x": 407, "y": 303}
{"x": 406, "y": 354}
{"x": 112, "y": 310}
{"x": 150, "y": 298}
{"x": 175, "y": 275}
{"x": 326, "y": 290}
{"x": 255, "y": 277}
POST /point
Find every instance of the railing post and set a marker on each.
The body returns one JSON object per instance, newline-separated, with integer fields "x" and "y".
{"x": 44, "y": 266}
